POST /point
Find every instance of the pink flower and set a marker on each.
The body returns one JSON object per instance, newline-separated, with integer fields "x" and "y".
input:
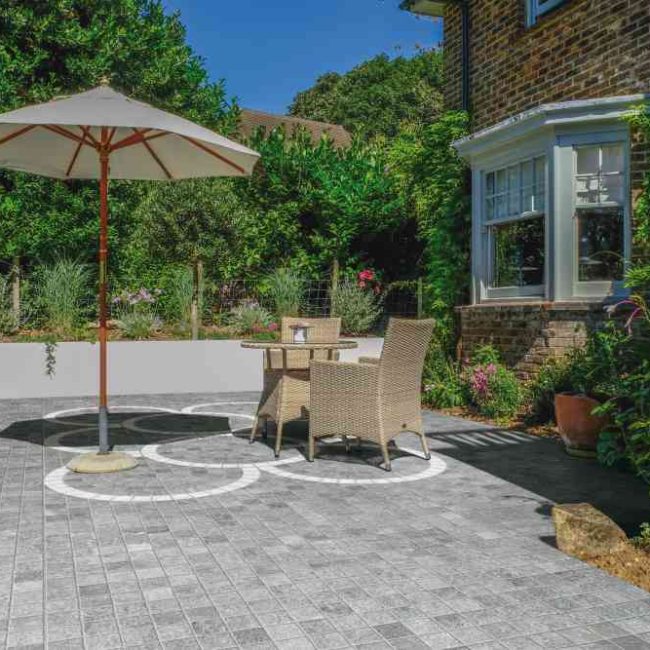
{"x": 491, "y": 369}
{"x": 273, "y": 327}
{"x": 367, "y": 274}
{"x": 362, "y": 284}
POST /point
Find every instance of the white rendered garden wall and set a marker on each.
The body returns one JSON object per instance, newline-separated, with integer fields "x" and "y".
{"x": 141, "y": 367}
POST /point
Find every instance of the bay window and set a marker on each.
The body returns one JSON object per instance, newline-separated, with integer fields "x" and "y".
{"x": 514, "y": 216}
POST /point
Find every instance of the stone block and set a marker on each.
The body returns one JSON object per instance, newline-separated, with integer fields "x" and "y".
{"x": 585, "y": 532}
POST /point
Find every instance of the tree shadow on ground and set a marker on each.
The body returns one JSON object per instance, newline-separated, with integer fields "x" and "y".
{"x": 126, "y": 429}
{"x": 540, "y": 465}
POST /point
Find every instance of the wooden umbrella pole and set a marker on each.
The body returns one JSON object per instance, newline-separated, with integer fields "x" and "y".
{"x": 104, "y": 444}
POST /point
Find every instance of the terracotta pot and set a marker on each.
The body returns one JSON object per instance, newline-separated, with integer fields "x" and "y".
{"x": 578, "y": 428}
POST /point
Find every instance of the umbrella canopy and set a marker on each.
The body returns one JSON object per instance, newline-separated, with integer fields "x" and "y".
{"x": 61, "y": 139}
{"x": 102, "y": 133}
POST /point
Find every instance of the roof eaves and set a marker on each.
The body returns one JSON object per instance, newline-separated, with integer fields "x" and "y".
{"x": 554, "y": 114}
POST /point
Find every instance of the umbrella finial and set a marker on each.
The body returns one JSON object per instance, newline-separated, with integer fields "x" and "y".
{"x": 105, "y": 80}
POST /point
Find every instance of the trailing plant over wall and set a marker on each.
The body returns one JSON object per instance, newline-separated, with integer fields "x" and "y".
{"x": 434, "y": 183}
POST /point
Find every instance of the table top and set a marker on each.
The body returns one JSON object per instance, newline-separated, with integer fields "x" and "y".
{"x": 278, "y": 345}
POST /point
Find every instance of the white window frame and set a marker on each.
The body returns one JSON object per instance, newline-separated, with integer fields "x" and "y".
{"x": 486, "y": 259}
{"x": 603, "y": 287}
{"x": 537, "y": 8}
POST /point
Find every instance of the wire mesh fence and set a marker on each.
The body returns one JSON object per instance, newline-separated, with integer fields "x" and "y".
{"x": 398, "y": 299}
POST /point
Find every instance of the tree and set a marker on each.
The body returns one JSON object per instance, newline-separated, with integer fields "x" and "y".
{"x": 309, "y": 206}
{"x": 378, "y": 95}
{"x": 192, "y": 222}
{"x": 65, "y": 46}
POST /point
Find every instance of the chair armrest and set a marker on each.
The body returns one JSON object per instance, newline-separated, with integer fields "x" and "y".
{"x": 368, "y": 360}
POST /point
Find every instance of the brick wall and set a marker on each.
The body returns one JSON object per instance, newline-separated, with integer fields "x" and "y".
{"x": 527, "y": 335}
{"x": 584, "y": 49}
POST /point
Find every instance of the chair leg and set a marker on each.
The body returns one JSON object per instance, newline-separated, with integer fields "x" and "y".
{"x": 425, "y": 446}
{"x": 385, "y": 454}
{"x": 254, "y": 429}
{"x": 311, "y": 448}
{"x": 278, "y": 438}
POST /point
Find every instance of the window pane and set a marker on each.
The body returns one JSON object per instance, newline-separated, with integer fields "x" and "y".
{"x": 518, "y": 253}
{"x": 587, "y": 190}
{"x": 540, "y": 185}
{"x": 501, "y": 181}
{"x": 588, "y": 160}
{"x": 489, "y": 209}
{"x": 613, "y": 158}
{"x": 513, "y": 190}
{"x": 501, "y": 205}
{"x": 611, "y": 190}
{"x": 489, "y": 184}
{"x": 600, "y": 244}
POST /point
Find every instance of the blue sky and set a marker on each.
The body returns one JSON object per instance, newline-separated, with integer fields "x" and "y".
{"x": 267, "y": 50}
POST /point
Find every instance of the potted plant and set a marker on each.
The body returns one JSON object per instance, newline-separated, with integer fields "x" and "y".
{"x": 587, "y": 377}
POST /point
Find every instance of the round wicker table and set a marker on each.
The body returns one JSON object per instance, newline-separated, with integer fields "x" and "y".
{"x": 285, "y": 395}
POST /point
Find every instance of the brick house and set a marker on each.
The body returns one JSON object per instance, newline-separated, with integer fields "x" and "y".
{"x": 555, "y": 167}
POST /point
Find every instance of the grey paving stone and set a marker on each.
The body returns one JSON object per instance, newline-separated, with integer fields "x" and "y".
{"x": 459, "y": 559}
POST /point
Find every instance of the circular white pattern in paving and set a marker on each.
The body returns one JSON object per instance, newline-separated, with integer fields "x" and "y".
{"x": 236, "y": 465}
{"x": 55, "y": 481}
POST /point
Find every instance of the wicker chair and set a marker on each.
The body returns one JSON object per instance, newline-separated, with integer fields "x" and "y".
{"x": 374, "y": 399}
{"x": 285, "y": 393}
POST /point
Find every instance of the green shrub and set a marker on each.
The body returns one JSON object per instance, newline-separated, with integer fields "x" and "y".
{"x": 552, "y": 378}
{"x": 285, "y": 291}
{"x": 9, "y": 322}
{"x": 249, "y": 318}
{"x": 63, "y": 293}
{"x": 442, "y": 380}
{"x": 136, "y": 315}
{"x": 178, "y": 298}
{"x": 642, "y": 540}
{"x": 357, "y": 308}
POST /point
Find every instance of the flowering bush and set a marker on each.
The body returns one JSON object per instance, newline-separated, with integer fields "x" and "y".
{"x": 493, "y": 389}
{"x": 367, "y": 279}
{"x": 136, "y": 313}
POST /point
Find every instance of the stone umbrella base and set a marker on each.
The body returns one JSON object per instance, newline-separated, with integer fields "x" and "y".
{"x": 96, "y": 463}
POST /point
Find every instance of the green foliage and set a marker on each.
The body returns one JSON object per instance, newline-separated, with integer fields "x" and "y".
{"x": 136, "y": 314}
{"x": 188, "y": 221}
{"x": 308, "y": 205}
{"x": 357, "y": 308}
{"x": 642, "y": 540}
{"x": 285, "y": 290}
{"x": 443, "y": 382}
{"x": 50, "y": 49}
{"x": 63, "y": 295}
{"x": 433, "y": 182}
{"x": 552, "y": 378}
{"x": 375, "y": 97}
{"x": 249, "y": 318}
{"x": 178, "y": 293}
{"x": 9, "y": 322}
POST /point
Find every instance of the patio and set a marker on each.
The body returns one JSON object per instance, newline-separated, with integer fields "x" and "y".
{"x": 212, "y": 543}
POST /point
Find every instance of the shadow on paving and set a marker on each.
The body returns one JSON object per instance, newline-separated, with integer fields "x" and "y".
{"x": 541, "y": 465}
{"x": 144, "y": 428}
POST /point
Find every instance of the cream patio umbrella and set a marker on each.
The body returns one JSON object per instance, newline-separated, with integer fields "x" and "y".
{"x": 100, "y": 134}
